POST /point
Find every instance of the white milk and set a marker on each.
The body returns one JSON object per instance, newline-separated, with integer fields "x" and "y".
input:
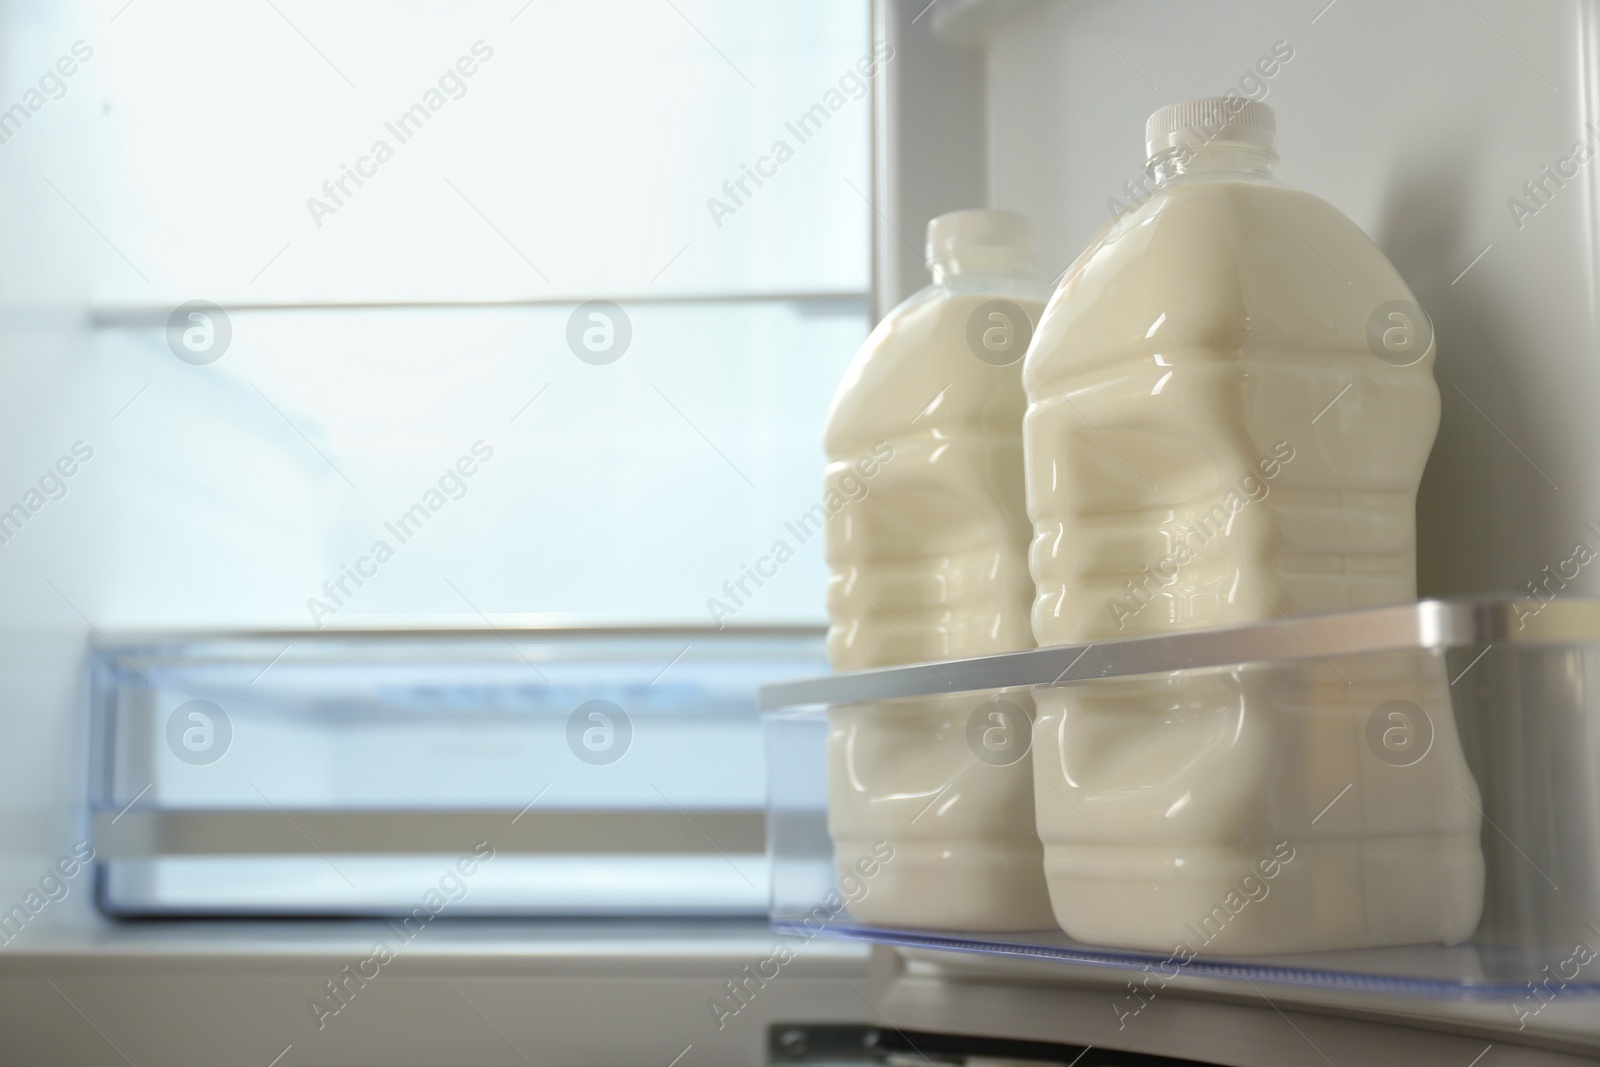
{"x": 1231, "y": 401}
{"x": 929, "y": 562}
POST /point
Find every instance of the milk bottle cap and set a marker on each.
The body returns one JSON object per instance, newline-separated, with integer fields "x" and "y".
{"x": 979, "y": 228}
{"x": 1211, "y": 120}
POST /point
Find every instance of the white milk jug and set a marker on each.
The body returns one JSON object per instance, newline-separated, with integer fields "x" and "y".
{"x": 1231, "y": 401}
{"x": 929, "y": 561}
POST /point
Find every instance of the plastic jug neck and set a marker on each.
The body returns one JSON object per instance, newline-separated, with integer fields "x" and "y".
{"x": 1227, "y": 160}
{"x": 972, "y": 262}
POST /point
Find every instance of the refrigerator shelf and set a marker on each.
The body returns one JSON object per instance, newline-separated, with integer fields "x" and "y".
{"x": 1427, "y": 625}
{"x": 1512, "y": 700}
{"x": 1462, "y": 971}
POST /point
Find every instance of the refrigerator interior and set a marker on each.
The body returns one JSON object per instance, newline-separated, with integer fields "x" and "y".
{"x": 1423, "y": 122}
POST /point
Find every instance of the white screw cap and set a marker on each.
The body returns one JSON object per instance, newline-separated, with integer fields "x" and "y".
{"x": 961, "y": 231}
{"x": 1211, "y": 120}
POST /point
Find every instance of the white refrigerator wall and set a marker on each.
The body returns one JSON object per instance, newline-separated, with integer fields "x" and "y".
{"x": 50, "y": 402}
{"x": 1420, "y": 121}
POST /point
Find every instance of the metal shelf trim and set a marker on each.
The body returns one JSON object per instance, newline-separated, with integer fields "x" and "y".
{"x": 1424, "y": 625}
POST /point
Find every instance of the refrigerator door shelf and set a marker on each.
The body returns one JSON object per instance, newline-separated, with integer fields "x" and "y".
{"x": 1447, "y": 852}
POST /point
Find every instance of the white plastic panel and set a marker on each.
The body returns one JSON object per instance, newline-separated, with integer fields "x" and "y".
{"x": 44, "y": 408}
{"x": 560, "y": 150}
{"x": 631, "y": 491}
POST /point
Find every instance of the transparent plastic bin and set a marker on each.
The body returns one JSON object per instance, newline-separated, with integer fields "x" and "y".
{"x": 1404, "y": 799}
{"x": 604, "y": 772}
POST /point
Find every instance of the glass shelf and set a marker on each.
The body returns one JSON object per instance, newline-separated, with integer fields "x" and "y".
{"x": 1431, "y": 771}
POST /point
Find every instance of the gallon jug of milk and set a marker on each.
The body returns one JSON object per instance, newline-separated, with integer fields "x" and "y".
{"x": 928, "y": 561}
{"x": 1231, "y": 401}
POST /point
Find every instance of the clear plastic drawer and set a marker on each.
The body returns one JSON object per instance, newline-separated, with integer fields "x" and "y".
{"x": 523, "y": 772}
